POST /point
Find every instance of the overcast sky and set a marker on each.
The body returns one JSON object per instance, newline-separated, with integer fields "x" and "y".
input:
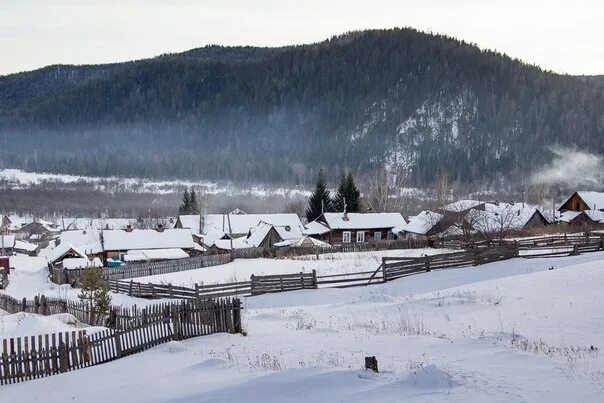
{"x": 564, "y": 36}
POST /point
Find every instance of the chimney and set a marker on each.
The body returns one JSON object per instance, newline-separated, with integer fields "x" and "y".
{"x": 345, "y": 218}
{"x": 160, "y": 228}
{"x": 128, "y": 228}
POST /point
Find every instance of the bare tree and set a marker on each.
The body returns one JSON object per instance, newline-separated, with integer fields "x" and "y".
{"x": 384, "y": 190}
{"x": 442, "y": 188}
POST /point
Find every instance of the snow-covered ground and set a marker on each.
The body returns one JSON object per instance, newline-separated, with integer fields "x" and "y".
{"x": 19, "y": 179}
{"x": 505, "y": 331}
{"x": 330, "y": 263}
{"x": 30, "y": 278}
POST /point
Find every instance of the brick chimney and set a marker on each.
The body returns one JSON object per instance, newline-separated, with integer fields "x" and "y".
{"x": 128, "y": 228}
{"x": 160, "y": 228}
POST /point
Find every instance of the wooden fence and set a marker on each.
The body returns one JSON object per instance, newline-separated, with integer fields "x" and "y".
{"x": 391, "y": 268}
{"x": 287, "y": 252}
{"x": 132, "y": 331}
{"x": 255, "y": 286}
{"x": 132, "y": 270}
{"x": 3, "y": 279}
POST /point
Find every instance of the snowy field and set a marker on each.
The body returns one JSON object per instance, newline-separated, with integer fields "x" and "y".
{"x": 19, "y": 179}
{"x": 505, "y": 331}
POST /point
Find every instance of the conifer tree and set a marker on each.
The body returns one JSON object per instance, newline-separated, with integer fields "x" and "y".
{"x": 193, "y": 207}
{"x": 186, "y": 201}
{"x": 320, "y": 199}
{"x": 347, "y": 195}
{"x": 353, "y": 195}
{"x": 340, "y": 200}
{"x": 95, "y": 292}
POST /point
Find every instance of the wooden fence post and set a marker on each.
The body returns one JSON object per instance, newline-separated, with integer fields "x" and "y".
{"x": 602, "y": 242}
{"x": 44, "y": 305}
{"x": 314, "y": 279}
{"x": 118, "y": 344}
{"x": 237, "y": 315}
{"x": 37, "y": 304}
{"x": 63, "y": 358}
{"x": 252, "y": 284}
{"x": 427, "y": 265}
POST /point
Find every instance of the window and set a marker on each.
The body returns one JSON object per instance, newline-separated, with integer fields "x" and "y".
{"x": 360, "y": 236}
{"x": 377, "y": 235}
{"x": 346, "y": 236}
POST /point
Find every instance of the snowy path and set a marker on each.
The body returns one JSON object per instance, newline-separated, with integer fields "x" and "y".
{"x": 507, "y": 331}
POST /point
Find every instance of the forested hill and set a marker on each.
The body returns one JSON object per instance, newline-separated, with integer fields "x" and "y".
{"x": 357, "y": 101}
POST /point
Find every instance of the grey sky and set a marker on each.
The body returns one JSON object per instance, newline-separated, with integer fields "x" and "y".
{"x": 564, "y": 36}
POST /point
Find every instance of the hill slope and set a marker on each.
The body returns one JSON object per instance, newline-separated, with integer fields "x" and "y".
{"x": 360, "y": 100}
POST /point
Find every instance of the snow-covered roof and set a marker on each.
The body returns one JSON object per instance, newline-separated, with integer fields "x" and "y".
{"x": 363, "y": 220}
{"x": 193, "y": 222}
{"x": 595, "y": 215}
{"x": 73, "y": 263}
{"x": 258, "y": 234}
{"x": 155, "y": 254}
{"x": 95, "y": 223}
{"x": 498, "y": 216}
{"x": 462, "y": 205}
{"x": 26, "y": 246}
{"x": 88, "y": 240}
{"x": 61, "y": 250}
{"x": 420, "y": 224}
{"x": 569, "y": 216}
{"x": 212, "y": 236}
{"x": 147, "y": 239}
{"x": 288, "y": 232}
{"x": 315, "y": 228}
{"x": 7, "y": 241}
{"x": 238, "y": 243}
{"x": 305, "y": 241}
{"x": 595, "y": 200}
{"x": 242, "y": 223}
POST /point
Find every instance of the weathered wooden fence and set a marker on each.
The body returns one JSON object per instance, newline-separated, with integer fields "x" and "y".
{"x": 287, "y": 252}
{"x": 391, "y": 268}
{"x": 3, "y": 279}
{"x": 132, "y": 331}
{"x": 255, "y": 286}
{"x": 132, "y": 270}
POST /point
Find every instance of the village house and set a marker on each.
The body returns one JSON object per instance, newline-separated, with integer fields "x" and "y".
{"x": 355, "y": 227}
{"x": 264, "y": 235}
{"x": 584, "y": 200}
{"x": 209, "y": 228}
{"x": 9, "y": 245}
{"x": 422, "y": 226}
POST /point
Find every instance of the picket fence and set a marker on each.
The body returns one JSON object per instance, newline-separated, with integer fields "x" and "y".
{"x": 257, "y": 285}
{"x": 132, "y": 270}
{"x": 131, "y": 331}
{"x": 3, "y": 279}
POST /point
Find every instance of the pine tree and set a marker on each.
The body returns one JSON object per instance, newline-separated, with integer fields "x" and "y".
{"x": 353, "y": 195}
{"x": 347, "y": 195}
{"x": 95, "y": 292}
{"x": 186, "y": 202}
{"x": 340, "y": 201}
{"x": 193, "y": 207}
{"x": 320, "y": 199}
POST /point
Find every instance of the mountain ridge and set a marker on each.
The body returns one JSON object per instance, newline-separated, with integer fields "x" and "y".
{"x": 357, "y": 101}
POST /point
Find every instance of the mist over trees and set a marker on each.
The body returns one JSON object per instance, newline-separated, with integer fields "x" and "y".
{"x": 424, "y": 102}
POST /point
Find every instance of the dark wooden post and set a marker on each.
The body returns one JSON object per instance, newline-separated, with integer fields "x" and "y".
{"x": 63, "y": 358}
{"x": 371, "y": 363}
{"x": 427, "y": 265}
{"x": 44, "y": 305}
{"x": 237, "y": 315}
{"x": 314, "y": 279}
{"x": 24, "y": 304}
